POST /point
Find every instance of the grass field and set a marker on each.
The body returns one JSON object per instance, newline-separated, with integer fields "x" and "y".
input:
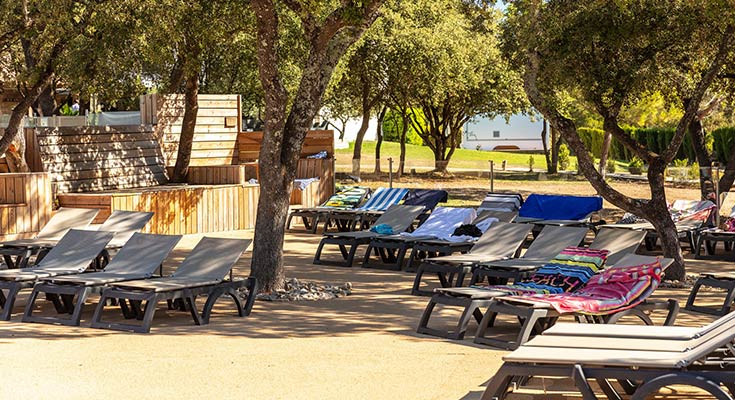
{"x": 421, "y": 158}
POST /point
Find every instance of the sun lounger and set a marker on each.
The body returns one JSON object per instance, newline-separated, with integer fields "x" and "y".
{"x": 722, "y": 280}
{"x": 347, "y": 198}
{"x": 617, "y": 243}
{"x": 501, "y": 241}
{"x": 391, "y": 249}
{"x": 427, "y": 198}
{"x": 60, "y": 223}
{"x": 203, "y": 272}
{"x": 610, "y": 295}
{"x": 76, "y": 250}
{"x": 398, "y": 217}
{"x": 139, "y": 258}
{"x": 508, "y": 202}
{"x": 570, "y": 269}
{"x": 382, "y": 198}
{"x": 438, "y": 247}
{"x": 648, "y": 356}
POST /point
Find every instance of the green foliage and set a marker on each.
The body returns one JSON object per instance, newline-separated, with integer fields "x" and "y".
{"x": 67, "y": 110}
{"x": 655, "y": 139}
{"x": 563, "y": 157}
{"x": 611, "y": 166}
{"x": 694, "y": 171}
{"x": 592, "y": 139}
{"x": 723, "y": 143}
{"x": 635, "y": 162}
{"x": 392, "y": 126}
{"x": 530, "y": 163}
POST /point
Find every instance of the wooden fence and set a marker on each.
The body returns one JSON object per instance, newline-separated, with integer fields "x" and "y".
{"x": 249, "y": 144}
{"x": 179, "y": 210}
{"x": 25, "y": 204}
{"x": 215, "y": 135}
{"x": 92, "y": 158}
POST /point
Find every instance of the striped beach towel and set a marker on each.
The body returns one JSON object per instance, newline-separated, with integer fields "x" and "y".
{"x": 568, "y": 271}
{"x": 613, "y": 290}
{"x": 383, "y": 198}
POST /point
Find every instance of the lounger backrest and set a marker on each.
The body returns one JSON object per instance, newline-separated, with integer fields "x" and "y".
{"x": 630, "y": 259}
{"x": 553, "y": 239}
{"x": 212, "y": 258}
{"x": 75, "y": 251}
{"x": 502, "y": 239}
{"x": 399, "y": 217}
{"x": 142, "y": 254}
{"x": 502, "y": 216}
{"x": 428, "y": 198}
{"x": 65, "y": 219}
{"x": 619, "y": 242}
{"x": 501, "y": 202}
{"x": 445, "y": 220}
{"x": 554, "y": 207}
{"x": 125, "y": 224}
{"x": 383, "y": 198}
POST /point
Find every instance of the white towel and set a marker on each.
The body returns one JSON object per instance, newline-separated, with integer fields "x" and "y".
{"x": 442, "y": 222}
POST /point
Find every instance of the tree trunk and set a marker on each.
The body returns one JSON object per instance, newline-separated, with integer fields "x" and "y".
{"x": 555, "y": 145}
{"x": 547, "y": 155}
{"x": 186, "y": 139}
{"x": 45, "y": 105}
{"x": 379, "y": 138}
{"x": 404, "y": 132}
{"x": 604, "y": 152}
{"x": 357, "y": 153}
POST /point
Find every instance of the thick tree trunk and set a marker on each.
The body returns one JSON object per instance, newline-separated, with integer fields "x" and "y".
{"x": 379, "y": 138}
{"x": 189, "y": 123}
{"x": 604, "y": 153}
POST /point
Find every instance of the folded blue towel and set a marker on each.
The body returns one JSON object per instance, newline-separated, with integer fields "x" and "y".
{"x": 383, "y": 229}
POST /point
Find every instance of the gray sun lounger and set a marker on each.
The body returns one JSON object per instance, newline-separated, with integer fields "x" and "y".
{"x": 649, "y": 356}
{"x": 203, "y": 272}
{"x": 73, "y": 254}
{"x": 618, "y": 243}
{"x": 139, "y": 258}
{"x": 501, "y": 241}
{"x": 399, "y": 217}
{"x": 60, "y": 223}
{"x": 536, "y": 317}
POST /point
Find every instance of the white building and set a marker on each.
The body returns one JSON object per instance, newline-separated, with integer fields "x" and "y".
{"x": 520, "y": 132}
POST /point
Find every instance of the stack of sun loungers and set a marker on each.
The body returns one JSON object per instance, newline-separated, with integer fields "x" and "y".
{"x": 545, "y": 209}
{"x": 643, "y": 359}
{"x": 441, "y": 224}
{"x": 507, "y": 202}
{"x": 349, "y": 220}
{"x": 345, "y": 199}
{"x": 690, "y": 217}
{"x": 398, "y": 218}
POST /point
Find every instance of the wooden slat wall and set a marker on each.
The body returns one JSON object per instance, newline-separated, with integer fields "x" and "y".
{"x": 101, "y": 158}
{"x": 33, "y": 159}
{"x": 217, "y": 175}
{"x": 317, "y": 168}
{"x": 181, "y": 210}
{"x": 316, "y": 141}
{"x": 25, "y": 204}
{"x": 215, "y": 135}
{"x": 4, "y": 165}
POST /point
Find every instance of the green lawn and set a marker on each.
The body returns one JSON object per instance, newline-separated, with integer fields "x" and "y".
{"x": 421, "y": 157}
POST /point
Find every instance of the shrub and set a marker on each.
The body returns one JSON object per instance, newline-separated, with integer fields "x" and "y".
{"x": 563, "y": 157}
{"x": 694, "y": 171}
{"x": 530, "y": 163}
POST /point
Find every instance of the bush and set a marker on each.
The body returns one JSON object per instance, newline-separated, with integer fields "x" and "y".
{"x": 655, "y": 139}
{"x": 723, "y": 140}
{"x": 530, "y": 163}
{"x": 592, "y": 139}
{"x": 563, "y": 157}
{"x": 392, "y": 129}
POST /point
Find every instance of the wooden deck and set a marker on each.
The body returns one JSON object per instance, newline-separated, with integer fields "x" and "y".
{"x": 25, "y": 204}
{"x": 179, "y": 209}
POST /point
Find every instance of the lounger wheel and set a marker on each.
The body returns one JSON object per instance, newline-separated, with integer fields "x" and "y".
{"x": 688, "y": 379}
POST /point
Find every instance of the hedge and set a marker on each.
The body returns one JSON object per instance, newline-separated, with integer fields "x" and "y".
{"x": 655, "y": 139}
{"x": 723, "y": 141}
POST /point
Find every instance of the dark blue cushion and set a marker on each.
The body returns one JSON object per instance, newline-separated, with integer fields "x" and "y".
{"x": 546, "y": 206}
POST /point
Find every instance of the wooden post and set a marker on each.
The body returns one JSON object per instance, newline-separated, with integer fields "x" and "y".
{"x": 492, "y": 175}
{"x": 390, "y": 172}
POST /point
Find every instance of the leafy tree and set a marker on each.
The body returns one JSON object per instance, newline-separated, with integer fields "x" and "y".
{"x": 613, "y": 53}
{"x": 326, "y": 30}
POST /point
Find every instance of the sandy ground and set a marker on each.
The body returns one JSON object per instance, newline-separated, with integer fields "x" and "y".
{"x": 361, "y": 346}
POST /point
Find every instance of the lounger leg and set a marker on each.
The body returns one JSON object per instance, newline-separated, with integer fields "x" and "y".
{"x": 150, "y": 310}
{"x": 73, "y": 308}
{"x": 318, "y": 255}
{"x": 608, "y": 389}
{"x": 681, "y": 378}
{"x": 191, "y": 304}
{"x": 728, "y": 285}
{"x": 580, "y": 380}
{"x": 498, "y": 387}
{"x": 531, "y": 321}
{"x": 411, "y": 258}
{"x": 415, "y": 291}
{"x": 13, "y": 289}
